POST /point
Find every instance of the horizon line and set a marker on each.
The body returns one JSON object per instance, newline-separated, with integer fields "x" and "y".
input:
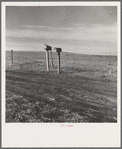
{"x": 84, "y": 53}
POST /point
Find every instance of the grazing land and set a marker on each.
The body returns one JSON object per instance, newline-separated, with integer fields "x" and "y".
{"x": 85, "y": 91}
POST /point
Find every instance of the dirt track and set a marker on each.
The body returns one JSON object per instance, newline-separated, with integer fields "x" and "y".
{"x": 69, "y": 97}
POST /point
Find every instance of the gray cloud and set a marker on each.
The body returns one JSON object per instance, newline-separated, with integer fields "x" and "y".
{"x": 89, "y": 27}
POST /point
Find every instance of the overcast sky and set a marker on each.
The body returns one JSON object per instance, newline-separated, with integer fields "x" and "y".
{"x": 75, "y": 29}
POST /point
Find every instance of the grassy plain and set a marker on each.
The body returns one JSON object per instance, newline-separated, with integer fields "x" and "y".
{"x": 85, "y": 91}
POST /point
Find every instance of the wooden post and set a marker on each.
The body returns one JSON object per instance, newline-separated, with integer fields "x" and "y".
{"x": 58, "y": 62}
{"x": 47, "y": 60}
{"x": 52, "y": 59}
{"x": 58, "y": 50}
{"x": 12, "y": 56}
{"x": 47, "y": 48}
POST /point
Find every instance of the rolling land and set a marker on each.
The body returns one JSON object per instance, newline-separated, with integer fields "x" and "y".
{"x": 85, "y": 91}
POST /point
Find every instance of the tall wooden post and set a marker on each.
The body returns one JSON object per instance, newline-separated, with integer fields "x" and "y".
{"x": 58, "y": 62}
{"x": 51, "y": 59}
{"x": 47, "y": 48}
{"x": 58, "y": 50}
{"x": 47, "y": 60}
{"x": 12, "y": 56}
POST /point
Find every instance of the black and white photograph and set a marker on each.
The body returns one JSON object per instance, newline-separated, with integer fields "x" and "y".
{"x": 61, "y": 64}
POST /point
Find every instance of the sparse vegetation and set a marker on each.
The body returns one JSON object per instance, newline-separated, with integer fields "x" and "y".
{"x": 85, "y": 91}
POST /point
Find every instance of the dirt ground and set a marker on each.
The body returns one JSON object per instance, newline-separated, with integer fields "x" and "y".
{"x": 85, "y": 91}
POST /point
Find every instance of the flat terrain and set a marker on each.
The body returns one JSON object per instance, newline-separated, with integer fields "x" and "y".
{"x": 85, "y": 91}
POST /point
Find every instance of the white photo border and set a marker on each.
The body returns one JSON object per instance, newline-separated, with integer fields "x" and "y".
{"x": 52, "y": 135}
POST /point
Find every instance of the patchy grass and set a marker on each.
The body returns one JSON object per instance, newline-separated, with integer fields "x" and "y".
{"x": 85, "y": 91}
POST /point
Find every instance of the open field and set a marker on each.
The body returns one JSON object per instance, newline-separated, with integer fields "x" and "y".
{"x": 85, "y": 91}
